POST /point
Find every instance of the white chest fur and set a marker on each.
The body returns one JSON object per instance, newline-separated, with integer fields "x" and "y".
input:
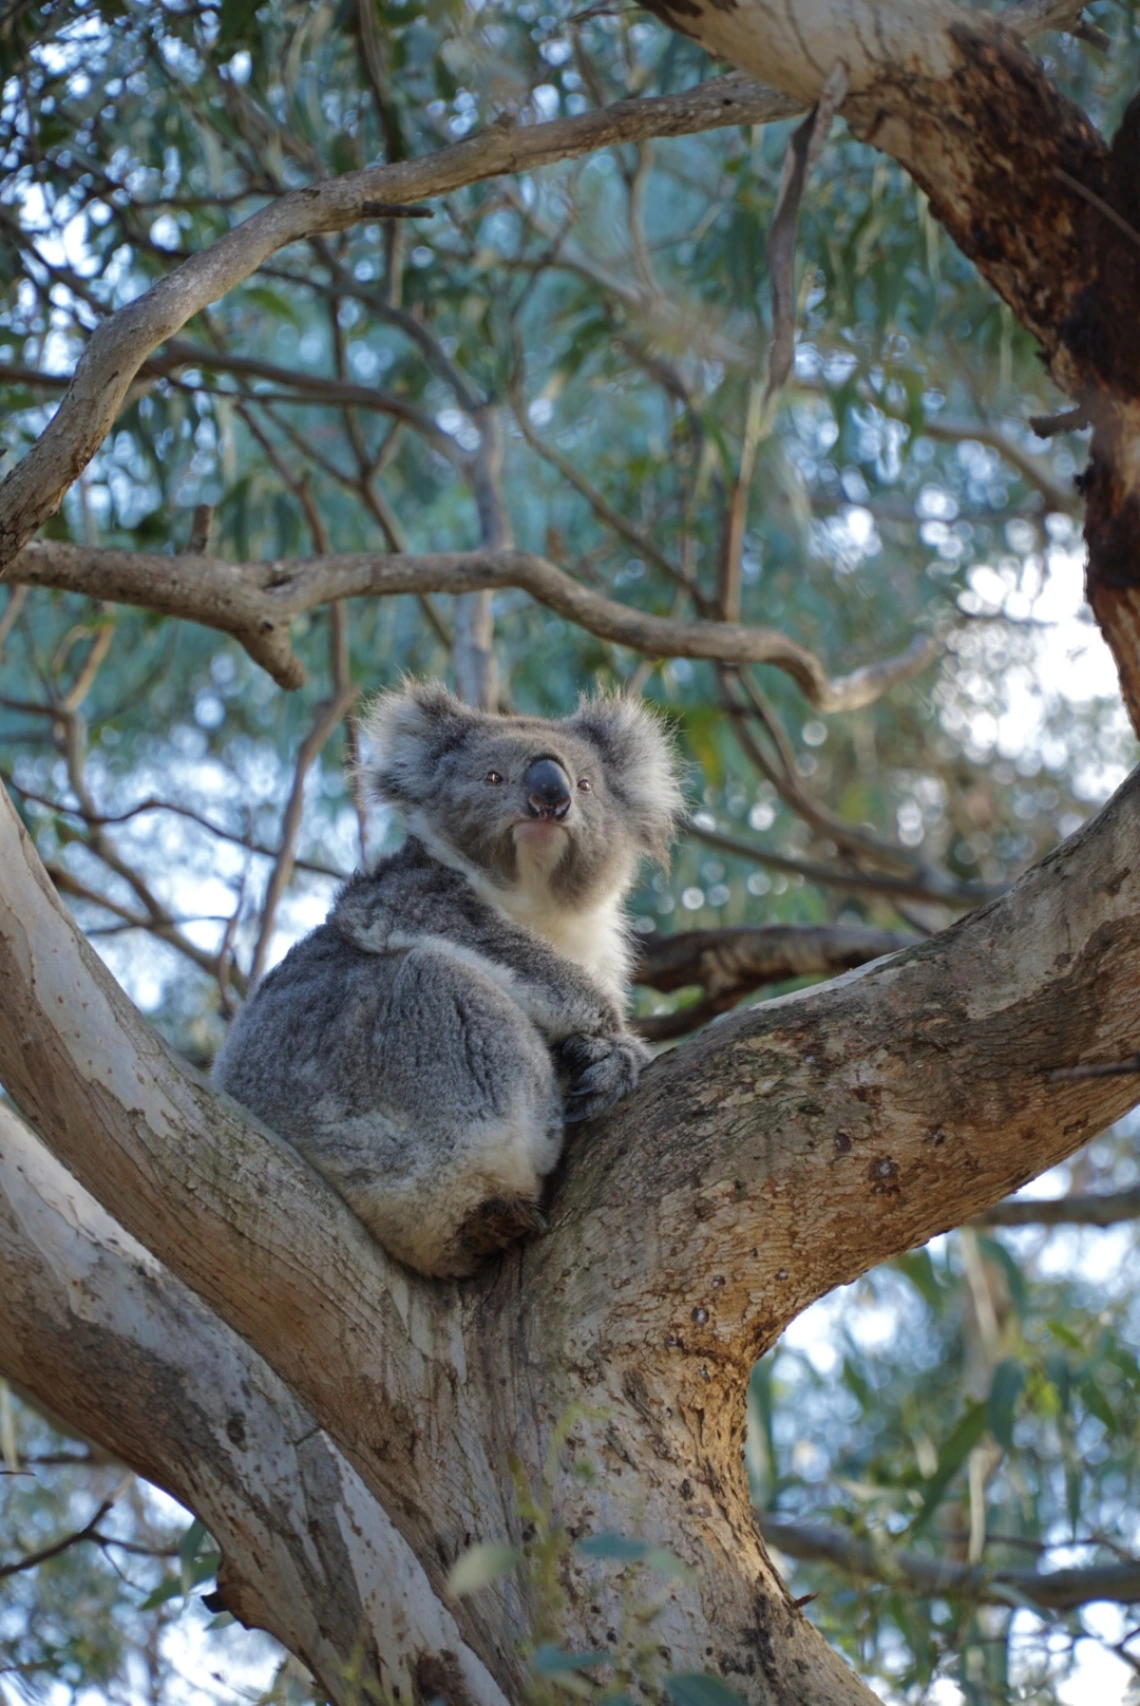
{"x": 597, "y": 938}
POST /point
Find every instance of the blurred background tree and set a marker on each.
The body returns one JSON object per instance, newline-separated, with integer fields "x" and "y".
{"x": 574, "y": 359}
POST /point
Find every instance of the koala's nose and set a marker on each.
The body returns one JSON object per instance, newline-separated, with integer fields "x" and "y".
{"x": 547, "y": 789}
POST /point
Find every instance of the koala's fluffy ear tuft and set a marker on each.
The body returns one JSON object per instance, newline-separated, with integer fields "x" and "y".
{"x": 640, "y": 763}
{"x": 410, "y": 730}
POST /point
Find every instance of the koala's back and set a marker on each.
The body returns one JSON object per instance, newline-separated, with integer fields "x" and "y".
{"x": 410, "y": 1080}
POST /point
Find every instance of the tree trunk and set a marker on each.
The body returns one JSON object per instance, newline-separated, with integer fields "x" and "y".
{"x": 777, "y": 1155}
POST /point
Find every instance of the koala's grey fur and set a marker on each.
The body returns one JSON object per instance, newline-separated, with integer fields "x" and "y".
{"x": 425, "y": 1046}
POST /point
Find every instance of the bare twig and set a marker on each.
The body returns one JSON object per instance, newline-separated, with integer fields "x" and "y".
{"x": 803, "y": 150}
{"x": 952, "y": 429}
{"x": 328, "y": 716}
{"x": 325, "y": 720}
{"x": 1108, "y": 1208}
{"x": 32, "y": 1559}
{"x": 198, "y": 541}
{"x": 1052, "y": 1590}
{"x": 642, "y": 542}
{"x": 159, "y": 925}
{"x": 152, "y": 804}
{"x": 473, "y": 648}
{"x": 1099, "y": 203}
{"x": 959, "y": 896}
{"x": 782, "y": 776}
{"x": 1033, "y": 17}
{"x": 736, "y": 518}
{"x": 12, "y": 609}
{"x": 376, "y": 68}
{"x": 314, "y": 386}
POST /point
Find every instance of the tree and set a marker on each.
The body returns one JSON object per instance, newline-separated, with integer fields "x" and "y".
{"x": 589, "y": 1390}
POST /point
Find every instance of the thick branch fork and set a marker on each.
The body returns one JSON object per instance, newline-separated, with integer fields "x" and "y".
{"x": 256, "y": 602}
{"x": 781, "y": 1153}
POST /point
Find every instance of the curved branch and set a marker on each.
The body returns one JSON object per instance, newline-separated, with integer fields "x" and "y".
{"x": 89, "y": 1531}
{"x": 255, "y": 602}
{"x": 34, "y": 489}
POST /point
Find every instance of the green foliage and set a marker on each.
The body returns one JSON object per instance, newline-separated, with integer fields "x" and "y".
{"x": 914, "y": 1418}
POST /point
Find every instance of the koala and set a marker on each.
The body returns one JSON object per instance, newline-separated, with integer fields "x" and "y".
{"x": 464, "y": 1000}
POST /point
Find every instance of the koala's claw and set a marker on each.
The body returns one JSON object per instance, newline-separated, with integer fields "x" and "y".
{"x": 602, "y": 1070}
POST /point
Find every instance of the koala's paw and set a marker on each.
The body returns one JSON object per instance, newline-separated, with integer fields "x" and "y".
{"x": 601, "y": 1071}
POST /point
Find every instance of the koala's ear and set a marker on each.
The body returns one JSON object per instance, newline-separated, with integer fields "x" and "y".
{"x": 640, "y": 764}
{"x": 410, "y": 730}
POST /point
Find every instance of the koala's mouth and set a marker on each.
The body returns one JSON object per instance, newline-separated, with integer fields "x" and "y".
{"x": 540, "y": 843}
{"x": 539, "y": 831}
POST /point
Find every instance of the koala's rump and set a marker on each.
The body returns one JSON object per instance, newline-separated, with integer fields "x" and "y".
{"x": 411, "y": 1080}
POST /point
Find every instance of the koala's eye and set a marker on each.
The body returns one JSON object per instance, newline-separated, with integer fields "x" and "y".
{"x": 495, "y": 777}
{"x": 585, "y": 786}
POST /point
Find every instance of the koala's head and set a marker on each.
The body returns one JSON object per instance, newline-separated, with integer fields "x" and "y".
{"x": 571, "y": 805}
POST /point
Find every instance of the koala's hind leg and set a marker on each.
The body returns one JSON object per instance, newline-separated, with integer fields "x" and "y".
{"x": 472, "y": 1081}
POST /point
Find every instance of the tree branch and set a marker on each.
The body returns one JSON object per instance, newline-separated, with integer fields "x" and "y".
{"x": 89, "y": 1531}
{"x": 731, "y": 963}
{"x": 784, "y": 1152}
{"x": 129, "y": 1356}
{"x": 829, "y": 1129}
{"x": 34, "y": 489}
{"x": 255, "y": 602}
{"x": 1107, "y": 1208}
{"x": 927, "y": 887}
{"x": 1049, "y": 1590}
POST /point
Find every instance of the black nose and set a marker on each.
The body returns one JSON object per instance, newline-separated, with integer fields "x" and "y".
{"x": 547, "y": 789}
